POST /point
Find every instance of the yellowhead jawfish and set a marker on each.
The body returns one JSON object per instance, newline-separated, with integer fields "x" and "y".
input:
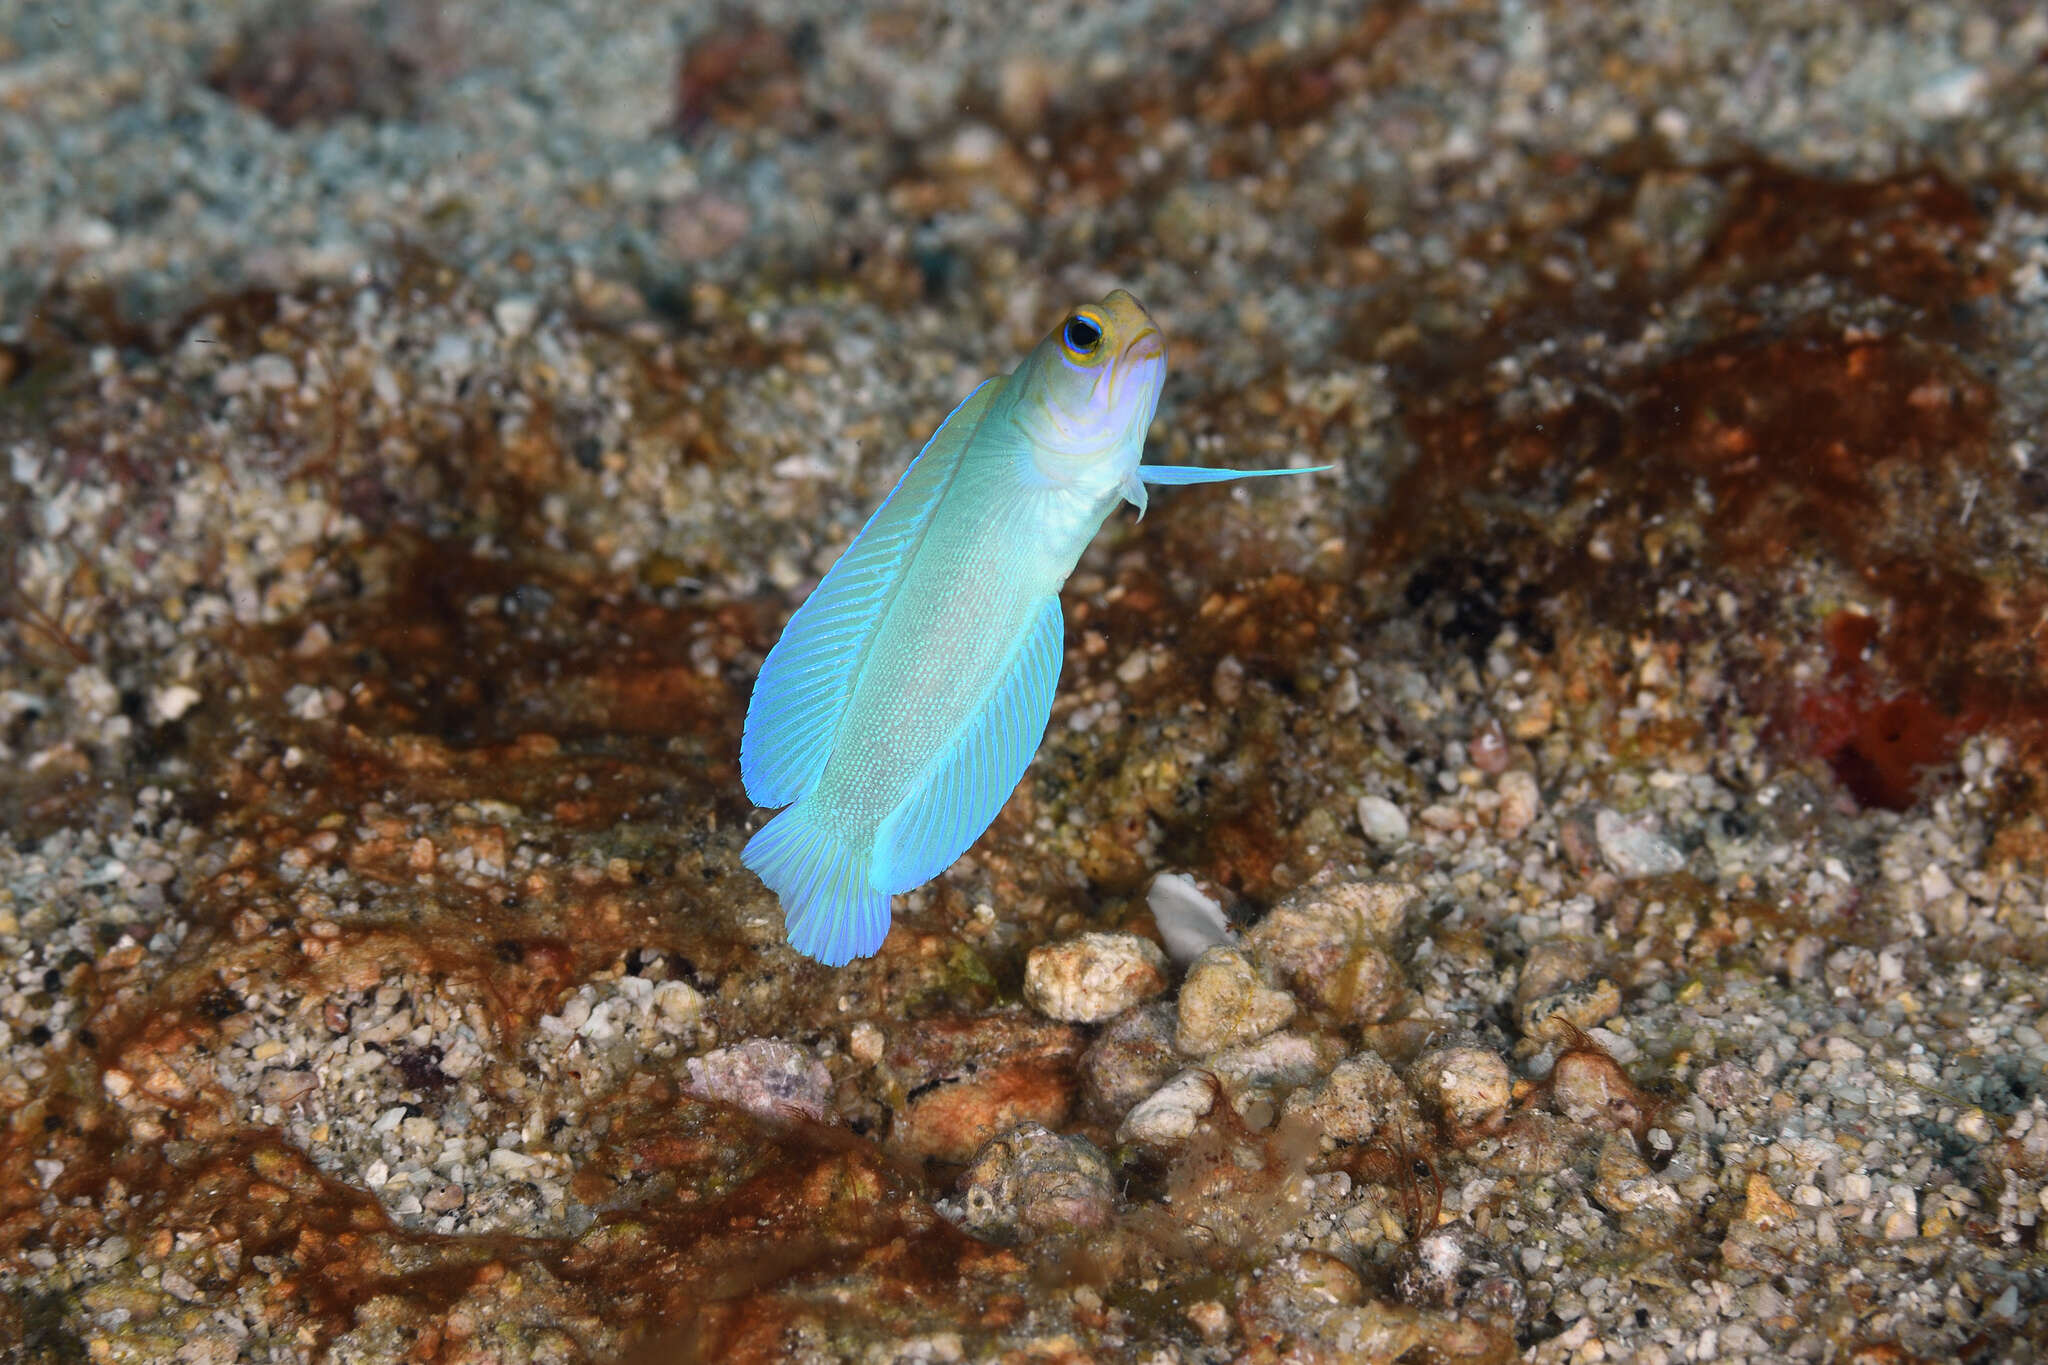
{"x": 909, "y": 691}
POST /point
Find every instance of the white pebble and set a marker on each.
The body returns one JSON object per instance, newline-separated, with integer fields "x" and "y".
{"x": 1382, "y": 820}
{"x": 1093, "y": 977}
{"x": 514, "y": 316}
{"x": 679, "y": 1004}
{"x": 171, "y": 702}
{"x": 1520, "y": 803}
{"x": 1189, "y": 921}
{"x": 272, "y": 372}
{"x": 1168, "y": 1115}
{"x": 1634, "y": 848}
{"x": 1952, "y": 95}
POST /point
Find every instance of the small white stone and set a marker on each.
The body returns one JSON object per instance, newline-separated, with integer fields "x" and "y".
{"x": 1189, "y": 921}
{"x": 1093, "y": 977}
{"x": 273, "y": 372}
{"x": 864, "y": 1043}
{"x": 313, "y": 642}
{"x": 452, "y": 355}
{"x": 1227, "y": 682}
{"x": 1343, "y": 699}
{"x": 1168, "y": 1115}
{"x": 1634, "y": 848}
{"x": 514, "y": 316}
{"x": 505, "y": 1161}
{"x": 93, "y": 234}
{"x": 1902, "y": 1220}
{"x": 1285, "y": 1061}
{"x": 171, "y": 702}
{"x": 1935, "y": 884}
{"x": 975, "y": 146}
{"x": 1521, "y": 801}
{"x": 92, "y": 692}
{"x": 679, "y": 1005}
{"x": 601, "y": 1025}
{"x": 1382, "y": 821}
{"x": 1469, "y": 1084}
{"x": 1951, "y": 95}
{"x": 576, "y": 1012}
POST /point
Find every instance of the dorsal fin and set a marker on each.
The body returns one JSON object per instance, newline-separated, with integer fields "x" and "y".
{"x": 810, "y": 673}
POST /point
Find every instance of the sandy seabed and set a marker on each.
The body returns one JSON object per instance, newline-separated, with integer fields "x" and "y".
{"x": 1621, "y": 776}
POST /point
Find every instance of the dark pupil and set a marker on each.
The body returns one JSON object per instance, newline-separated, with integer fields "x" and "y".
{"x": 1082, "y": 334}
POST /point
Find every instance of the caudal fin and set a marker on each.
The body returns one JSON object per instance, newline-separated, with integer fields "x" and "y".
{"x": 830, "y": 911}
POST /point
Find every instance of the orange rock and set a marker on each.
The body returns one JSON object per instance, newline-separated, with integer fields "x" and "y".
{"x": 1763, "y": 1205}
{"x": 965, "y": 1079}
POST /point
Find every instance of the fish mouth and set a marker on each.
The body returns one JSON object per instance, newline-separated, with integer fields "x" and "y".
{"x": 1140, "y": 366}
{"x": 1146, "y": 345}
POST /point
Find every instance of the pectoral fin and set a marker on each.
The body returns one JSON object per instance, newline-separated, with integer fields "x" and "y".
{"x": 1186, "y": 473}
{"x": 1133, "y": 490}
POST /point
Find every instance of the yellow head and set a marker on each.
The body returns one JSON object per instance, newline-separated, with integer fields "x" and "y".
{"x": 1085, "y": 395}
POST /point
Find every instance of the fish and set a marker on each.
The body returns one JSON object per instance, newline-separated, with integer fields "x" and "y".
{"x": 905, "y": 698}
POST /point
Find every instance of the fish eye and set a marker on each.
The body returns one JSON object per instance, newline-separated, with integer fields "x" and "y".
{"x": 1082, "y": 335}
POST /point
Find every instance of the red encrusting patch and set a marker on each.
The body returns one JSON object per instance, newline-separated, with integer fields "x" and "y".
{"x": 1882, "y": 743}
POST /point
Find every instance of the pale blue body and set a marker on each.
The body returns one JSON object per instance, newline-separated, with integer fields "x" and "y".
{"x": 910, "y": 690}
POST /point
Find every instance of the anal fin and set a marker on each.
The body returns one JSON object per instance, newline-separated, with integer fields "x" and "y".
{"x": 964, "y": 787}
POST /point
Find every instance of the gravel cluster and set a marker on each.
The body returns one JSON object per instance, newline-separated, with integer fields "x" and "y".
{"x": 76, "y": 898}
